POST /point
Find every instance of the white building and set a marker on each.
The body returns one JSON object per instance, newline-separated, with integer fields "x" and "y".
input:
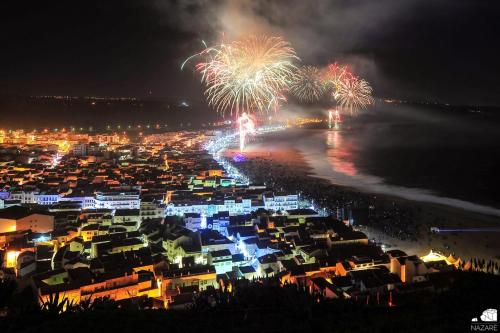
{"x": 23, "y": 197}
{"x": 280, "y": 202}
{"x": 193, "y": 221}
{"x": 152, "y": 210}
{"x": 87, "y": 202}
{"x": 233, "y": 206}
{"x": 222, "y": 260}
{"x": 32, "y": 197}
{"x": 117, "y": 200}
{"x": 47, "y": 199}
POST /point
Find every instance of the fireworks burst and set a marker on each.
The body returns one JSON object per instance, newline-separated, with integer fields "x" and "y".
{"x": 354, "y": 94}
{"x": 249, "y": 74}
{"x": 335, "y": 75}
{"x": 253, "y": 74}
{"x": 308, "y": 85}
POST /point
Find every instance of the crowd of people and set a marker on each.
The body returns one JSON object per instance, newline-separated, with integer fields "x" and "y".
{"x": 393, "y": 218}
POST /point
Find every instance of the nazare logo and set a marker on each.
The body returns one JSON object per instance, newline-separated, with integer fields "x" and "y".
{"x": 487, "y": 322}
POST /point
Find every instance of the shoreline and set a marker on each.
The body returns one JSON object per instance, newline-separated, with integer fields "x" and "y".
{"x": 407, "y": 223}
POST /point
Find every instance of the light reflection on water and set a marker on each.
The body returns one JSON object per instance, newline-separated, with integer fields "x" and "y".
{"x": 339, "y": 154}
{"x": 330, "y": 155}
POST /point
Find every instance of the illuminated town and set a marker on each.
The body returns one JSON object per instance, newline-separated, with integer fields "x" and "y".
{"x": 166, "y": 218}
{"x": 249, "y": 166}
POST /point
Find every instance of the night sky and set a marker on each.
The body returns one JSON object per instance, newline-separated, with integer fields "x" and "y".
{"x": 444, "y": 50}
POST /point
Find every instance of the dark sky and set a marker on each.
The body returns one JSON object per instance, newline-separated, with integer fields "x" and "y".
{"x": 444, "y": 50}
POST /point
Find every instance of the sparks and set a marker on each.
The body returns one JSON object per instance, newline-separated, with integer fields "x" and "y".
{"x": 355, "y": 94}
{"x": 247, "y": 75}
{"x": 308, "y": 85}
{"x": 335, "y": 75}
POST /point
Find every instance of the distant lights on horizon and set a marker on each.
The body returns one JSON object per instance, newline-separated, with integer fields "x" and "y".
{"x": 132, "y": 127}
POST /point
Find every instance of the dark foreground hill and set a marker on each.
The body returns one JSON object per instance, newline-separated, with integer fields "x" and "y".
{"x": 260, "y": 311}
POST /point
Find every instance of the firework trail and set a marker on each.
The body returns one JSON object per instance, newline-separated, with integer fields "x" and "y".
{"x": 246, "y": 126}
{"x": 249, "y": 74}
{"x": 334, "y": 119}
{"x": 308, "y": 84}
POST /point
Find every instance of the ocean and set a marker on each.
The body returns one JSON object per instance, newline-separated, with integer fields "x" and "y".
{"x": 444, "y": 155}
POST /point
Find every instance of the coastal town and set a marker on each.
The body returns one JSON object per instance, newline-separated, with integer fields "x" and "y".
{"x": 164, "y": 218}
{"x": 249, "y": 166}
